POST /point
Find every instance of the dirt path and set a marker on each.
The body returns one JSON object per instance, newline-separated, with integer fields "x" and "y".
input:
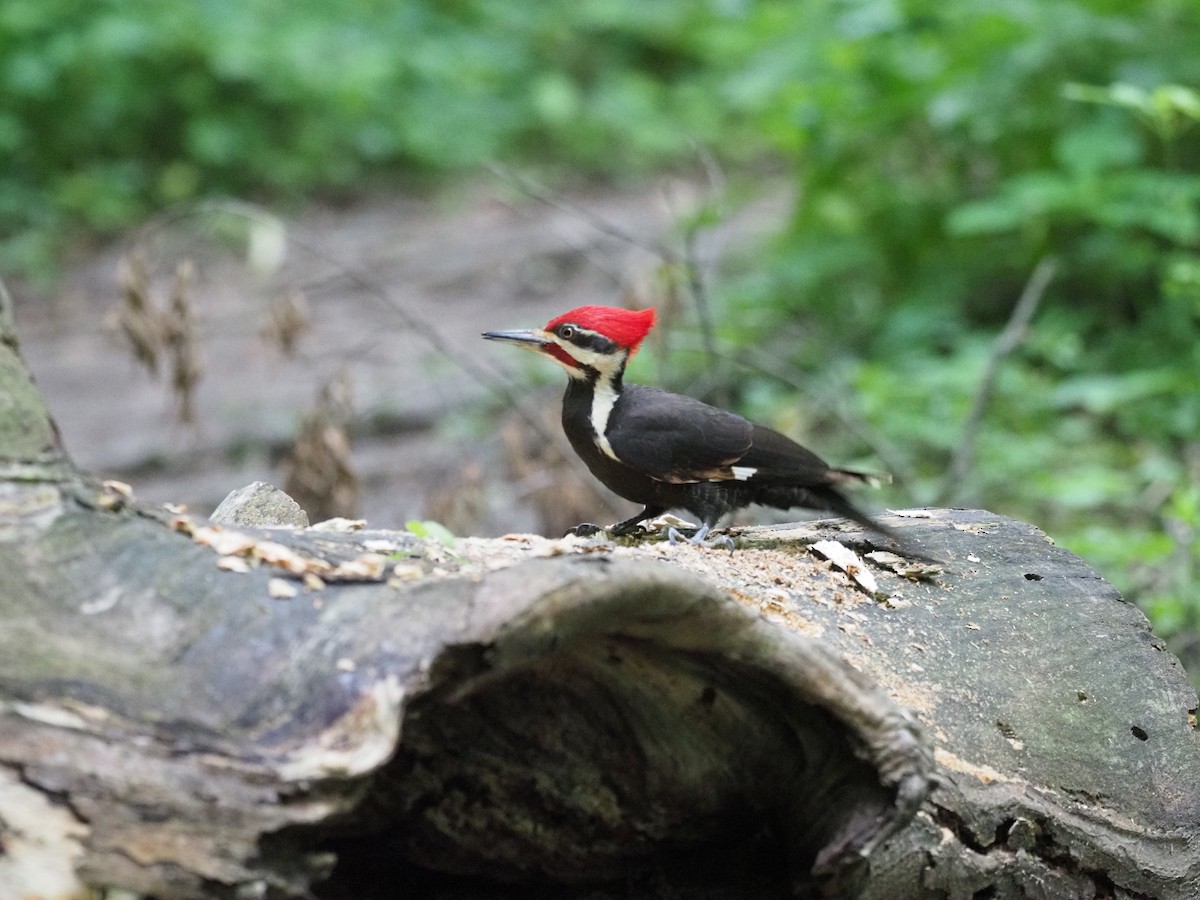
{"x": 460, "y": 264}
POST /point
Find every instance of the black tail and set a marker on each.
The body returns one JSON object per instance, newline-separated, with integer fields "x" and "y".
{"x": 828, "y": 499}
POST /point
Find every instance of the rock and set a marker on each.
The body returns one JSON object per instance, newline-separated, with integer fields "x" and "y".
{"x": 260, "y": 505}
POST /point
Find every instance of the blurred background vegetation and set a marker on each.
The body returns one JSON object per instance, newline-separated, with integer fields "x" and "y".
{"x": 940, "y": 152}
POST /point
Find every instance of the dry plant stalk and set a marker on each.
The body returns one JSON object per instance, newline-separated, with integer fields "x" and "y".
{"x": 136, "y": 315}
{"x": 154, "y": 334}
{"x": 320, "y": 476}
{"x": 182, "y": 343}
{"x": 288, "y": 318}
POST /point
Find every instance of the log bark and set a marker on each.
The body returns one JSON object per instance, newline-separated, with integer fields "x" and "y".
{"x": 192, "y": 712}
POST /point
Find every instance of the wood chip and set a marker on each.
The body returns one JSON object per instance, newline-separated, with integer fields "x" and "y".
{"x": 340, "y": 525}
{"x": 379, "y": 545}
{"x": 281, "y": 589}
{"x": 225, "y": 543}
{"x": 407, "y": 571}
{"x": 849, "y": 562}
{"x": 184, "y": 524}
{"x": 662, "y": 524}
{"x": 115, "y": 495}
{"x": 285, "y": 558}
{"x": 365, "y": 567}
{"x": 976, "y": 527}
{"x": 912, "y": 569}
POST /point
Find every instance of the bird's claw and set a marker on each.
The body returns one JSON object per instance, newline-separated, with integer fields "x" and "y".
{"x": 699, "y": 539}
{"x": 723, "y": 541}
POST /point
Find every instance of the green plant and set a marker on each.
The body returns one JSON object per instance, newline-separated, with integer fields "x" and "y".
{"x": 434, "y": 531}
{"x": 941, "y": 152}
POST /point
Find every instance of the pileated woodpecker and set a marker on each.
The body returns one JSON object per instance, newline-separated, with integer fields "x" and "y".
{"x": 666, "y": 451}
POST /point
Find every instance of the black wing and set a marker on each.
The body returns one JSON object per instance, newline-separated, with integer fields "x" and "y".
{"x": 777, "y": 458}
{"x": 679, "y": 439}
{"x": 675, "y": 438}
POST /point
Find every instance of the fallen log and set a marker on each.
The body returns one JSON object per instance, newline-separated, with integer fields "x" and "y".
{"x": 192, "y": 711}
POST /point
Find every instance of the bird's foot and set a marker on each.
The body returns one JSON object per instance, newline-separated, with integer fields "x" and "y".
{"x": 698, "y": 539}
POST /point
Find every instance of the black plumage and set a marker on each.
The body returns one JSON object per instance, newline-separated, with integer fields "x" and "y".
{"x": 676, "y": 452}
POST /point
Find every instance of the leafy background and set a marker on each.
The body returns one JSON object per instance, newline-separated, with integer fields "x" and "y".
{"x": 938, "y": 151}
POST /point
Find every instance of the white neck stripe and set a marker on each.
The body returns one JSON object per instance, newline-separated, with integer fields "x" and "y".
{"x": 604, "y": 398}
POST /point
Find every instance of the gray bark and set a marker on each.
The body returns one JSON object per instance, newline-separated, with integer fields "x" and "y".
{"x": 377, "y": 715}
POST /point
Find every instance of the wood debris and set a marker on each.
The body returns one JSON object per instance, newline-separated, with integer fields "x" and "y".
{"x": 912, "y": 569}
{"x": 849, "y": 562}
{"x": 281, "y": 589}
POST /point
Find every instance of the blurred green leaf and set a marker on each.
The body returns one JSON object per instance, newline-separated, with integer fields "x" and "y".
{"x": 432, "y": 530}
{"x": 1104, "y": 394}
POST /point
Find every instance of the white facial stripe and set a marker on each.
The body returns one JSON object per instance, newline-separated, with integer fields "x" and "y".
{"x": 604, "y": 363}
{"x": 603, "y": 400}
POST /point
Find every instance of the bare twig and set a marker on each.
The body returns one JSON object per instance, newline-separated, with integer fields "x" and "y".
{"x": 545, "y": 195}
{"x": 1015, "y": 331}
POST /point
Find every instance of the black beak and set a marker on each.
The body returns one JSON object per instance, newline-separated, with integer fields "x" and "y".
{"x": 529, "y": 339}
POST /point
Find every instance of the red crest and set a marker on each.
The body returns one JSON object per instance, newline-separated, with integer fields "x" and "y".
{"x": 625, "y": 327}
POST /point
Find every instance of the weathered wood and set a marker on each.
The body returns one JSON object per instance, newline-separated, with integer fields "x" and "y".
{"x": 187, "y": 712}
{"x": 563, "y": 718}
{"x": 1065, "y": 732}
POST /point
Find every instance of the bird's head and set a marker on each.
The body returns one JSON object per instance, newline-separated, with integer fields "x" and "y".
{"x": 587, "y": 341}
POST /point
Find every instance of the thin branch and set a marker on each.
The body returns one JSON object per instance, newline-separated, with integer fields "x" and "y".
{"x": 962, "y": 463}
{"x": 552, "y": 198}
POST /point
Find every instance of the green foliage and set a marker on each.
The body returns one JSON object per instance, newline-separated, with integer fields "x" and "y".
{"x": 434, "y": 531}
{"x": 940, "y": 150}
{"x": 115, "y": 108}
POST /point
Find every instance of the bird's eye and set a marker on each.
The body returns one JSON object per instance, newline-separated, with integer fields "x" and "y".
{"x": 566, "y": 332}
